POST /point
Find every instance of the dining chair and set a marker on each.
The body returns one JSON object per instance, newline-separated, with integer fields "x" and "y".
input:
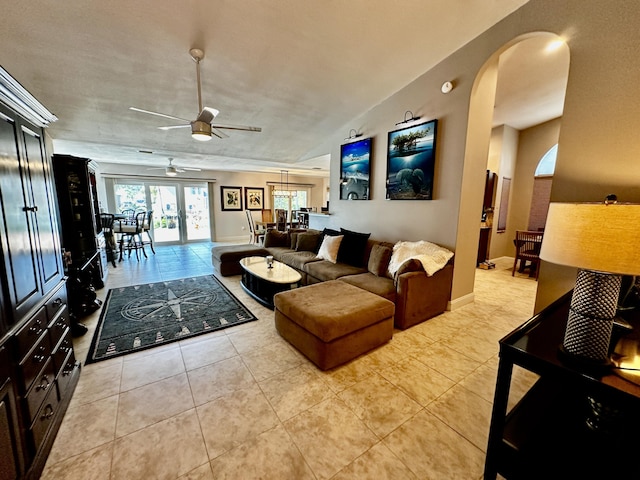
{"x": 131, "y": 236}
{"x": 257, "y": 234}
{"x": 146, "y": 228}
{"x": 527, "y": 245}
{"x": 129, "y": 215}
{"x": 107, "y": 221}
{"x": 281, "y": 219}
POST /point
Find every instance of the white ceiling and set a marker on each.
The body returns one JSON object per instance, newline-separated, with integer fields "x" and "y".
{"x": 300, "y": 69}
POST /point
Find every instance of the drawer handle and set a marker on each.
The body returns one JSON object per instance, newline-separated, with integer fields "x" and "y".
{"x": 57, "y": 302}
{"x": 44, "y": 385}
{"x": 39, "y": 358}
{"x": 36, "y": 330}
{"x": 69, "y": 370}
{"x": 49, "y": 414}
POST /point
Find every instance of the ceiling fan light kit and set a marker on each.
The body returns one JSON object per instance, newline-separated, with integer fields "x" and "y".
{"x": 201, "y": 131}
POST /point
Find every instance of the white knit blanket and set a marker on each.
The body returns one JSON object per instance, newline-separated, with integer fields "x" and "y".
{"x": 432, "y": 257}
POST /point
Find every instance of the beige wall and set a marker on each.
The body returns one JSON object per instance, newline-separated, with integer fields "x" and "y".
{"x": 599, "y": 145}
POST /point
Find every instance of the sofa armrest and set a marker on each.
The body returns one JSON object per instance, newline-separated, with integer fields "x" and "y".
{"x": 420, "y": 297}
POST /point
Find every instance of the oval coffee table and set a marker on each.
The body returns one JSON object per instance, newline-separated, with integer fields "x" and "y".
{"x": 262, "y": 283}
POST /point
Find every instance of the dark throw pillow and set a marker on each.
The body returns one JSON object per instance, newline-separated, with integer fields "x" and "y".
{"x": 379, "y": 260}
{"x": 352, "y": 247}
{"x": 308, "y": 242}
{"x": 275, "y": 238}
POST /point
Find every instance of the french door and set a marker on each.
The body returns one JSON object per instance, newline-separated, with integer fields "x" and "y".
{"x": 180, "y": 209}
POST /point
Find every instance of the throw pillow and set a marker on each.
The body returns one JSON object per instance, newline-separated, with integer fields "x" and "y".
{"x": 275, "y": 238}
{"x": 329, "y": 248}
{"x": 379, "y": 260}
{"x": 307, "y": 242}
{"x": 331, "y": 232}
{"x": 352, "y": 247}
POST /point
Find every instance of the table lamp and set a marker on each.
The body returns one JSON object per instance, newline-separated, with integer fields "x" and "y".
{"x": 603, "y": 241}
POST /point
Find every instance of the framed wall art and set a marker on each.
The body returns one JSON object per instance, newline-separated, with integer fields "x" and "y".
{"x": 355, "y": 165}
{"x": 231, "y": 198}
{"x": 411, "y": 155}
{"x": 253, "y": 198}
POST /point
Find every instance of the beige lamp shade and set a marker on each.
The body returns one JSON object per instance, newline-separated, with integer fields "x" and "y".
{"x": 593, "y": 236}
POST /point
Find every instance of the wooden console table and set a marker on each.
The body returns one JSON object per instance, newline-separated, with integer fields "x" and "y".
{"x": 575, "y": 422}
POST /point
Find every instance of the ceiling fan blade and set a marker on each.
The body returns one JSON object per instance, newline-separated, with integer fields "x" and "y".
{"x": 207, "y": 115}
{"x": 191, "y": 169}
{"x": 236, "y": 127}
{"x": 218, "y": 133}
{"x": 158, "y": 114}
{"x": 171, "y": 127}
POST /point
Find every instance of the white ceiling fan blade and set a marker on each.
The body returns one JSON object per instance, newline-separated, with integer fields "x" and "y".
{"x": 171, "y": 127}
{"x": 191, "y": 169}
{"x": 158, "y": 114}
{"x": 236, "y": 127}
{"x": 207, "y": 115}
{"x": 156, "y": 168}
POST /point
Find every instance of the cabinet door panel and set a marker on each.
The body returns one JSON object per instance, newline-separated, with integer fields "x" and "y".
{"x": 16, "y": 232}
{"x": 46, "y": 228}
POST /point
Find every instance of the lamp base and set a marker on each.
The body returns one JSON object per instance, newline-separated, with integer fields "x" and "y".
{"x": 591, "y": 314}
{"x": 584, "y": 363}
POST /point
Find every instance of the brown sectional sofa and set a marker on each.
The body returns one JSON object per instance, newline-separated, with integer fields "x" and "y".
{"x": 417, "y": 297}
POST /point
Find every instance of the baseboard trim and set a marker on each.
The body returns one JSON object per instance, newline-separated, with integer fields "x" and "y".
{"x": 461, "y": 301}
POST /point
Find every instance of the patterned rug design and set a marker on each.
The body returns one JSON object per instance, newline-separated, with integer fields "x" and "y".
{"x": 145, "y": 316}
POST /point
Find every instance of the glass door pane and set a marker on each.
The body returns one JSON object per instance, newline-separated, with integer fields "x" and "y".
{"x": 129, "y": 197}
{"x": 166, "y": 218}
{"x": 196, "y": 209}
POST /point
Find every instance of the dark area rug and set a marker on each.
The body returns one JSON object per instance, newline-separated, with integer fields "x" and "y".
{"x": 146, "y": 316}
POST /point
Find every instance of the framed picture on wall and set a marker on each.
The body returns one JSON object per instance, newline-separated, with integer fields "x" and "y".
{"x": 355, "y": 165}
{"x": 253, "y": 198}
{"x": 411, "y": 156}
{"x": 231, "y": 198}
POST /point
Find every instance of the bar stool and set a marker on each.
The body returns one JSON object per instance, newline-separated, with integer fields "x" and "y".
{"x": 131, "y": 236}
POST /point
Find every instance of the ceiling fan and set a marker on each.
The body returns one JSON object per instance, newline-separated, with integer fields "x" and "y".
{"x": 171, "y": 170}
{"x": 202, "y": 127}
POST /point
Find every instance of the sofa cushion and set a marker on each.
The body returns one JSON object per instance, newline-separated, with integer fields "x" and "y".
{"x": 293, "y": 237}
{"x": 298, "y": 260}
{"x": 275, "y": 238}
{"x": 278, "y": 252}
{"x": 324, "y": 270}
{"x": 329, "y": 248}
{"x": 379, "y": 260}
{"x": 331, "y": 232}
{"x": 381, "y": 286}
{"x": 352, "y": 247}
{"x": 308, "y": 242}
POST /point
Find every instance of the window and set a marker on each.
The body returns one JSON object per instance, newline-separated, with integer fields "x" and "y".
{"x": 542, "y": 189}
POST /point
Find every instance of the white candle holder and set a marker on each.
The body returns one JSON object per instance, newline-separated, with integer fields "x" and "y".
{"x": 269, "y": 260}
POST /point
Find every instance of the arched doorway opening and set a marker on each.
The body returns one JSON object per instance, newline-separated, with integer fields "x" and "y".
{"x": 495, "y": 144}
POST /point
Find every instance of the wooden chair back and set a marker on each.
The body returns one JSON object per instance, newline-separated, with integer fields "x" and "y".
{"x": 281, "y": 219}
{"x": 527, "y": 245}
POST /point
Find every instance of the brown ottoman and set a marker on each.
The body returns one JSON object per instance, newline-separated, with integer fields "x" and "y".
{"x": 226, "y": 258}
{"x": 333, "y": 322}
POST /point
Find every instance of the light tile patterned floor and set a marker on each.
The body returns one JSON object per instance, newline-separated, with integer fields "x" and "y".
{"x": 241, "y": 403}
